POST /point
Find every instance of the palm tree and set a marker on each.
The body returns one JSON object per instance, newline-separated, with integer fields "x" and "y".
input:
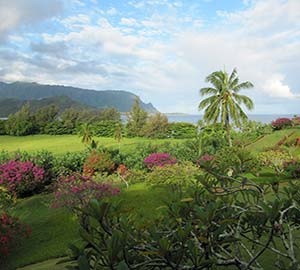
{"x": 86, "y": 134}
{"x": 224, "y": 102}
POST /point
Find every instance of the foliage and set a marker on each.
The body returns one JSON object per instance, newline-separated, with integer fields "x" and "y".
{"x": 235, "y": 161}
{"x": 212, "y": 138}
{"x": 98, "y": 162}
{"x": 2, "y": 127}
{"x": 275, "y": 159}
{"x": 292, "y": 168}
{"x": 137, "y": 119}
{"x": 20, "y": 123}
{"x": 218, "y": 226}
{"x": 69, "y": 162}
{"x": 181, "y": 130}
{"x": 177, "y": 176}
{"x": 104, "y": 128}
{"x": 296, "y": 120}
{"x": 156, "y": 126}
{"x": 86, "y": 133}
{"x": 21, "y": 178}
{"x": 44, "y": 116}
{"x": 281, "y": 123}
{"x": 225, "y": 100}
{"x": 75, "y": 192}
{"x": 159, "y": 160}
{"x": 11, "y": 233}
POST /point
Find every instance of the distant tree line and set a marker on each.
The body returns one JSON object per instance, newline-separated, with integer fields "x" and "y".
{"x": 105, "y": 123}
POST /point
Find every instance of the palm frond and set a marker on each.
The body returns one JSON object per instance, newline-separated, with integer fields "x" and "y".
{"x": 208, "y": 91}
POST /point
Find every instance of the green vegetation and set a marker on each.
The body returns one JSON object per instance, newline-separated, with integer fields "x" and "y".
{"x": 120, "y": 100}
{"x": 225, "y": 102}
{"x": 67, "y": 143}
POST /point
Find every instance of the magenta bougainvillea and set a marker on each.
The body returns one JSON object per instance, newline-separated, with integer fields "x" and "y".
{"x": 11, "y": 232}
{"x": 159, "y": 159}
{"x": 77, "y": 190}
{"x": 281, "y": 123}
{"x": 21, "y": 178}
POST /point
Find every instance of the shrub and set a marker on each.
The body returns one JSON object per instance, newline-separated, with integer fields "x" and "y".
{"x": 274, "y": 159}
{"x": 296, "y": 120}
{"x": 4, "y": 156}
{"x": 178, "y": 176}
{"x": 11, "y": 233}
{"x": 292, "y": 167}
{"x": 282, "y": 123}
{"x": 22, "y": 178}
{"x": 98, "y": 163}
{"x": 69, "y": 163}
{"x": 181, "y": 130}
{"x": 75, "y": 192}
{"x": 159, "y": 159}
{"x": 214, "y": 228}
{"x": 235, "y": 160}
{"x": 104, "y": 128}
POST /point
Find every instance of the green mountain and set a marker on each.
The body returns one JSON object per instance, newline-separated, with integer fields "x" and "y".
{"x": 12, "y": 105}
{"x": 121, "y": 100}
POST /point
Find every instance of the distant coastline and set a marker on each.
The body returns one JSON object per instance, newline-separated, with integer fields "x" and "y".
{"x": 193, "y": 118}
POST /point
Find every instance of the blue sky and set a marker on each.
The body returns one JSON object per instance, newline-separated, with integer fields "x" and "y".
{"x": 161, "y": 50}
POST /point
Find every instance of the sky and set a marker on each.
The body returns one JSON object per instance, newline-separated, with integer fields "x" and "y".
{"x": 161, "y": 50}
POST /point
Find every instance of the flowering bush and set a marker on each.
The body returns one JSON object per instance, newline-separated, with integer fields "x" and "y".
{"x": 11, "y": 231}
{"x": 159, "y": 159}
{"x": 282, "y": 123}
{"x": 21, "y": 178}
{"x": 98, "y": 162}
{"x": 77, "y": 190}
{"x": 292, "y": 167}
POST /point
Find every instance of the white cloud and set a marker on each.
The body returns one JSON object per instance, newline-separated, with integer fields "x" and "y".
{"x": 166, "y": 57}
{"x": 275, "y": 87}
{"x": 19, "y": 13}
{"x": 112, "y": 11}
{"x": 129, "y": 21}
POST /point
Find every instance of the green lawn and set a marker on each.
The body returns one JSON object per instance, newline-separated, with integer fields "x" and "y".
{"x": 66, "y": 143}
{"x": 54, "y": 229}
{"x": 271, "y": 140}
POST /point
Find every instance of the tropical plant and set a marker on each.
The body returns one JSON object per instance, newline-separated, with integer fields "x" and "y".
{"x": 86, "y": 133}
{"x": 224, "y": 102}
{"x": 137, "y": 119}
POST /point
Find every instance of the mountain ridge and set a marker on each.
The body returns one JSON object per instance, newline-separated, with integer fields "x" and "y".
{"x": 122, "y": 100}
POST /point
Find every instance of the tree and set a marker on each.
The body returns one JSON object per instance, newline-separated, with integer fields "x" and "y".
{"x": 137, "y": 119}
{"x": 156, "y": 126}
{"x": 224, "y": 102}
{"x": 45, "y": 115}
{"x": 118, "y": 133}
{"x": 21, "y": 123}
{"x": 86, "y": 134}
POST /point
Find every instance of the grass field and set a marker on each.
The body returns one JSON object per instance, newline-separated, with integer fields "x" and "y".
{"x": 66, "y": 143}
{"x": 272, "y": 139}
{"x": 54, "y": 229}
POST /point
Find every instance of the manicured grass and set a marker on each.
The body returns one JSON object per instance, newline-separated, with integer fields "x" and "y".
{"x": 66, "y": 143}
{"x": 54, "y": 229}
{"x": 271, "y": 139}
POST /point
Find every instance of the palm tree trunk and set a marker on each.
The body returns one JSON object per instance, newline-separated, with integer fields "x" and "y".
{"x": 227, "y": 124}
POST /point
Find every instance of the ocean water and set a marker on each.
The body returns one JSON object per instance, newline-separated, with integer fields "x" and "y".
{"x": 263, "y": 118}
